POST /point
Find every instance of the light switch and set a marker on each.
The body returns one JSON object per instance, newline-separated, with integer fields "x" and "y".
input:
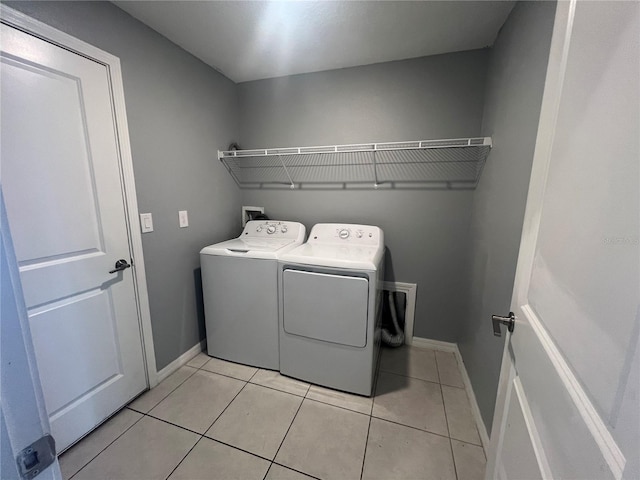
{"x": 183, "y": 218}
{"x": 146, "y": 222}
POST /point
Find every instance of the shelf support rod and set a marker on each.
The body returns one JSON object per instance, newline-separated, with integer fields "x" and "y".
{"x": 287, "y": 172}
{"x": 375, "y": 168}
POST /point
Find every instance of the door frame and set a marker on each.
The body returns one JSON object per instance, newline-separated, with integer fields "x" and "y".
{"x": 52, "y": 35}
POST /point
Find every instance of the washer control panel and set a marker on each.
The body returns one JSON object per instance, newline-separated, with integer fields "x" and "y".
{"x": 273, "y": 229}
{"x": 345, "y": 233}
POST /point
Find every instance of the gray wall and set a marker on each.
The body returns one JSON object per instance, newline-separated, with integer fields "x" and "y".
{"x": 426, "y": 98}
{"x": 180, "y": 111}
{"x": 515, "y": 83}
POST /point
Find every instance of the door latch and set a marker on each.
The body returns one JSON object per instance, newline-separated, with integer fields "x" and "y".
{"x": 33, "y": 459}
{"x": 498, "y": 320}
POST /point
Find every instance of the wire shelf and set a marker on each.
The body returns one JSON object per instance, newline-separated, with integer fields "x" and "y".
{"x": 450, "y": 164}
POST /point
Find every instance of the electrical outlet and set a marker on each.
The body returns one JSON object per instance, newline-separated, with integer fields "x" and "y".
{"x": 183, "y": 218}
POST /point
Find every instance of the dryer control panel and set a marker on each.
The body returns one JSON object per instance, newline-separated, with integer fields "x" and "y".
{"x": 273, "y": 229}
{"x": 346, "y": 233}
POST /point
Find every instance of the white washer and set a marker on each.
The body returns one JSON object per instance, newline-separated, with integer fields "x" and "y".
{"x": 330, "y": 307}
{"x": 240, "y": 289}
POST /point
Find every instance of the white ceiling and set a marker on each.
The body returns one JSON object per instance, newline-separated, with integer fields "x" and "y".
{"x": 249, "y": 40}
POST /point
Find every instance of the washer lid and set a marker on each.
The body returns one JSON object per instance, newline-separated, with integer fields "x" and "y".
{"x": 261, "y": 239}
{"x": 251, "y": 247}
{"x": 355, "y": 257}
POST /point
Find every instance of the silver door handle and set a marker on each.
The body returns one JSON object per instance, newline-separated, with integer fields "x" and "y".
{"x": 120, "y": 265}
{"x": 498, "y": 320}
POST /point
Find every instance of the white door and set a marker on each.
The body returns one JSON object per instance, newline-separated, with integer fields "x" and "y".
{"x": 64, "y": 196}
{"x": 568, "y": 402}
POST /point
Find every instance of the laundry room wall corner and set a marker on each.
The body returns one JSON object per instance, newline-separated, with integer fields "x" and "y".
{"x": 515, "y": 83}
{"x": 425, "y": 231}
{"x": 180, "y": 112}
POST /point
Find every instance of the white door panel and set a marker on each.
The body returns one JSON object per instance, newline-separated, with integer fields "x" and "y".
{"x": 517, "y": 433}
{"x": 566, "y": 395}
{"x": 64, "y": 197}
{"x": 590, "y": 218}
{"x": 83, "y": 330}
{"x": 52, "y": 97}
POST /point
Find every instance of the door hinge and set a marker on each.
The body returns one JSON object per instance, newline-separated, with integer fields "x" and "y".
{"x": 36, "y": 457}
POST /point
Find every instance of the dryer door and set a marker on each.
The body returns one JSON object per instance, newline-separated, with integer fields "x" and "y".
{"x": 327, "y": 307}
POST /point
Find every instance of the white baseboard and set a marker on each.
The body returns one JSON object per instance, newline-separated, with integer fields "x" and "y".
{"x": 409, "y": 289}
{"x": 181, "y": 360}
{"x": 453, "y": 347}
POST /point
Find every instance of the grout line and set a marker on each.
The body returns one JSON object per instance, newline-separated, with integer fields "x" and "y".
{"x": 134, "y": 410}
{"x": 453, "y": 386}
{"x": 299, "y": 471}
{"x": 144, "y": 414}
{"x": 226, "y": 375}
{"x": 169, "y": 393}
{"x": 475, "y": 425}
{"x": 267, "y": 472}
{"x": 183, "y": 458}
{"x": 237, "y": 448}
{"x": 413, "y": 428}
{"x": 96, "y": 455}
{"x": 470, "y": 443}
{"x": 225, "y": 408}
{"x": 254, "y": 374}
{"x": 202, "y": 435}
{"x": 338, "y": 406}
{"x": 366, "y": 445}
{"x": 407, "y": 376}
{"x": 288, "y": 429}
{"x": 446, "y": 417}
{"x": 344, "y": 408}
{"x": 453, "y": 458}
{"x": 444, "y": 407}
{"x": 304, "y": 397}
{"x": 278, "y": 390}
{"x": 173, "y": 424}
{"x": 435, "y": 358}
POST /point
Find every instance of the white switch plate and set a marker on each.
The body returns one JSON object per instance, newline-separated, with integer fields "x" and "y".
{"x": 183, "y": 218}
{"x": 146, "y": 222}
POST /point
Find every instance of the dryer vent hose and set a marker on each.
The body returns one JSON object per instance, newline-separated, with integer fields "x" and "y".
{"x": 397, "y": 339}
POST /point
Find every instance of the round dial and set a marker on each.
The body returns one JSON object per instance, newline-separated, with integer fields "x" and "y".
{"x": 344, "y": 234}
{"x": 271, "y": 229}
{"x": 359, "y": 233}
{"x": 283, "y": 229}
{"x": 259, "y": 228}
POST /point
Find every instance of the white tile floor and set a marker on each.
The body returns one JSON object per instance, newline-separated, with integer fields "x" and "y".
{"x": 220, "y": 420}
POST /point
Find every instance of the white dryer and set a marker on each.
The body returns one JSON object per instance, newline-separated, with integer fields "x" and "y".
{"x": 330, "y": 307}
{"x": 240, "y": 290}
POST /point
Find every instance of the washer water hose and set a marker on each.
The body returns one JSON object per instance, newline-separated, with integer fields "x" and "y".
{"x": 389, "y": 339}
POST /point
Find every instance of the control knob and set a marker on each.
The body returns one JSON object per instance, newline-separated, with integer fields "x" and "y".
{"x": 344, "y": 234}
{"x": 359, "y": 233}
{"x": 283, "y": 229}
{"x": 271, "y": 229}
{"x": 259, "y": 229}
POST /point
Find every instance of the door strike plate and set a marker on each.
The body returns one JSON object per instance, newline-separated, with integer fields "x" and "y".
{"x": 36, "y": 457}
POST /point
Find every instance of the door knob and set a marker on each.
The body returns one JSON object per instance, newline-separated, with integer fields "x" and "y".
{"x": 498, "y": 320}
{"x": 120, "y": 265}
